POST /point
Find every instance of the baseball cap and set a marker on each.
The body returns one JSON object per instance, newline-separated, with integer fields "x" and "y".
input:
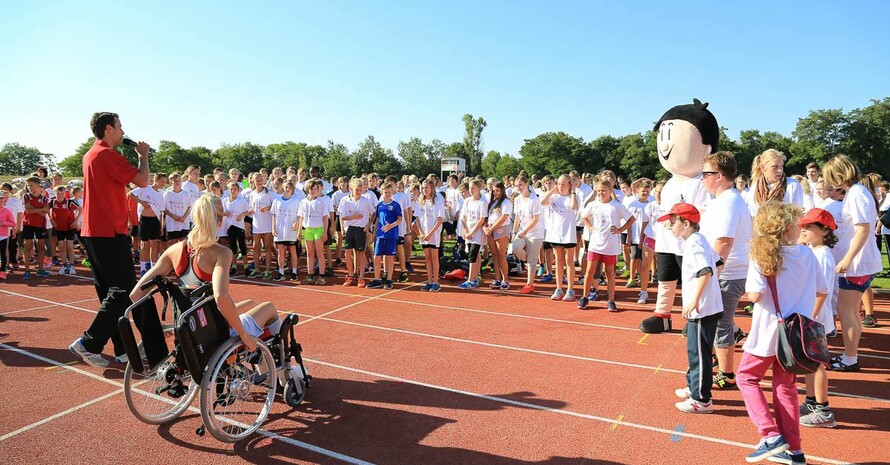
{"x": 684, "y": 210}
{"x": 820, "y": 216}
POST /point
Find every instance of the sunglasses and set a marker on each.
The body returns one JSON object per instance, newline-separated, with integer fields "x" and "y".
{"x": 705, "y": 174}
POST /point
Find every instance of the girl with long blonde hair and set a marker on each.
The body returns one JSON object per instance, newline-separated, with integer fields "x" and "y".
{"x": 769, "y": 184}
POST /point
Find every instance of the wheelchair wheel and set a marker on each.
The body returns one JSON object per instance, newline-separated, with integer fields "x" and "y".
{"x": 160, "y": 396}
{"x": 237, "y": 390}
{"x": 294, "y": 391}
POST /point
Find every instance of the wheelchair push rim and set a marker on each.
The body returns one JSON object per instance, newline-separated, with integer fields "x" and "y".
{"x": 237, "y": 390}
{"x": 162, "y": 395}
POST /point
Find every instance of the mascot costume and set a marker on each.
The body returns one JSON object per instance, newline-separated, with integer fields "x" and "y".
{"x": 686, "y": 134}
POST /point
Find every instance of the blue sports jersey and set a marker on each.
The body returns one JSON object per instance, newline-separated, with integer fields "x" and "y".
{"x": 388, "y": 213}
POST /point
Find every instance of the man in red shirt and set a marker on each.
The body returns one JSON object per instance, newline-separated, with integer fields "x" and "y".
{"x": 104, "y": 234}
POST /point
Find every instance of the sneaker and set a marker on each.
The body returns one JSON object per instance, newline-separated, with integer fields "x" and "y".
{"x": 26, "y": 276}
{"x": 691, "y": 405}
{"x": 122, "y": 358}
{"x": 475, "y": 283}
{"x": 593, "y": 296}
{"x": 603, "y": 281}
{"x": 505, "y": 285}
{"x": 55, "y": 261}
{"x": 632, "y": 283}
{"x": 558, "y": 294}
{"x": 767, "y": 449}
{"x": 611, "y": 306}
{"x": 348, "y": 281}
{"x": 387, "y": 284}
{"x": 832, "y": 334}
{"x": 789, "y": 459}
{"x": 540, "y": 271}
{"x": 818, "y": 417}
{"x": 3, "y": 275}
{"x": 86, "y": 263}
{"x": 465, "y": 285}
{"x": 749, "y": 309}
{"x": 721, "y": 381}
{"x": 403, "y": 277}
{"x": 42, "y": 273}
{"x": 329, "y": 272}
{"x": 279, "y": 276}
{"x": 644, "y": 296}
{"x": 426, "y": 287}
{"x": 838, "y": 365}
{"x": 570, "y": 296}
{"x": 254, "y": 274}
{"x": 310, "y": 279}
{"x": 869, "y": 321}
{"x": 739, "y": 335}
{"x": 547, "y": 279}
{"x": 338, "y": 262}
{"x": 71, "y": 270}
{"x": 375, "y": 284}
{"x": 409, "y": 267}
{"x": 63, "y": 270}
{"x": 435, "y": 287}
{"x": 805, "y": 408}
{"x": 320, "y": 281}
{"x": 91, "y": 359}
{"x": 527, "y": 289}
{"x": 361, "y": 282}
{"x": 495, "y": 284}
{"x": 267, "y": 275}
{"x": 582, "y": 302}
{"x": 683, "y": 393}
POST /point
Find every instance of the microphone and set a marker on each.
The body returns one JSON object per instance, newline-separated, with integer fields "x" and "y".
{"x": 132, "y": 143}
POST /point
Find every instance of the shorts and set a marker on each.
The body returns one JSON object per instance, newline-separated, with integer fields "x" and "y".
{"x": 134, "y": 231}
{"x": 547, "y": 246}
{"x": 473, "y": 252}
{"x": 563, "y": 246}
{"x": 248, "y": 220}
{"x": 401, "y": 240}
{"x": 450, "y": 227}
{"x": 649, "y": 243}
{"x": 250, "y": 325}
{"x": 502, "y": 232}
{"x": 636, "y": 252}
{"x": 337, "y": 223}
{"x": 857, "y": 283}
{"x": 356, "y": 239}
{"x": 64, "y": 235}
{"x": 30, "y": 233}
{"x": 149, "y": 228}
{"x": 385, "y": 247}
{"x": 579, "y": 230}
{"x": 286, "y": 243}
{"x": 623, "y": 239}
{"x": 669, "y": 266}
{"x": 176, "y": 235}
{"x": 331, "y": 234}
{"x": 605, "y": 259}
{"x": 429, "y": 246}
{"x": 313, "y": 234}
{"x": 731, "y": 290}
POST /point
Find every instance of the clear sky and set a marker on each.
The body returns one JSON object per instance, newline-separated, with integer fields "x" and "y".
{"x": 206, "y": 73}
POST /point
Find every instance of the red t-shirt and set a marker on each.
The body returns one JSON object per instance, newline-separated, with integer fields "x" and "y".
{"x": 106, "y": 174}
{"x": 133, "y": 211}
{"x": 37, "y": 220}
{"x": 64, "y": 212}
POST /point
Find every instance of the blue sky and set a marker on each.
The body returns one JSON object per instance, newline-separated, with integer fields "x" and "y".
{"x": 205, "y": 73}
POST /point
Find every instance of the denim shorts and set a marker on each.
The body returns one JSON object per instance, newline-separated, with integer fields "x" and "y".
{"x": 849, "y": 283}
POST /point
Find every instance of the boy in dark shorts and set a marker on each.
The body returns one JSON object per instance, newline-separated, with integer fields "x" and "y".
{"x": 63, "y": 214}
{"x": 387, "y": 217}
{"x": 37, "y": 206}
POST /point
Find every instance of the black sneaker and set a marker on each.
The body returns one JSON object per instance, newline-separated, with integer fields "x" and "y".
{"x": 293, "y": 276}
{"x": 403, "y": 277}
{"x": 582, "y": 303}
{"x": 739, "y": 335}
{"x": 279, "y": 276}
{"x": 611, "y": 306}
{"x": 375, "y": 284}
{"x": 387, "y": 284}
{"x": 329, "y": 272}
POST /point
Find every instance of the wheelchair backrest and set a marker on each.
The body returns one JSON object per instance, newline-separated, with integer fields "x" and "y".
{"x": 200, "y": 328}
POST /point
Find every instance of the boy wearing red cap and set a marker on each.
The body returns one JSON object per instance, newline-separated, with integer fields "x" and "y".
{"x": 817, "y": 231}
{"x": 702, "y": 307}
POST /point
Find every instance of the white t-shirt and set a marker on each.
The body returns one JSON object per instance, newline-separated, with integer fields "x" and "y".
{"x": 192, "y": 189}
{"x": 177, "y": 203}
{"x": 603, "y": 216}
{"x": 653, "y": 212}
{"x": 285, "y": 213}
{"x": 473, "y": 212}
{"x": 236, "y": 208}
{"x": 793, "y": 194}
{"x": 560, "y": 224}
{"x": 836, "y": 209}
{"x": 796, "y": 285}
{"x": 14, "y": 205}
{"x": 505, "y": 209}
{"x": 349, "y": 206}
{"x": 313, "y": 212}
{"x": 426, "y": 214}
{"x": 336, "y": 198}
{"x": 675, "y": 191}
{"x": 698, "y": 255}
{"x": 858, "y": 208}
{"x": 582, "y": 200}
{"x": 526, "y": 209}
{"x": 827, "y": 266}
{"x": 727, "y": 216}
{"x": 637, "y": 209}
{"x": 404, "y": 201}
{"x": 371, "y": 196}
{"x": 154, "y": 198}
{"x": 456, "y": 200}
{"x": 885, "y": 205}
{"x": 262, "y": 221}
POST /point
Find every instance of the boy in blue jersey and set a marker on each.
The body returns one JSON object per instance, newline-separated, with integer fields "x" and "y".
{"x": 387, "y": 216}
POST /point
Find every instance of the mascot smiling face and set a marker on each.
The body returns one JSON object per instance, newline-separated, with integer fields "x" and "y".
{"x": 686, "y": 134}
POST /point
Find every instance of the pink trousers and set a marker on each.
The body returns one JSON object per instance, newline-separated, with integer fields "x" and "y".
{"x": 785, "y": 401}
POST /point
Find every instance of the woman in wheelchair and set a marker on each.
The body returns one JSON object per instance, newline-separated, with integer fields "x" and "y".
{"x": 201, "y": 259}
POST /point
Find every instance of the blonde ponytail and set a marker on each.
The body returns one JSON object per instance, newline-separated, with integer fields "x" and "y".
{"x": 206, "y": 214}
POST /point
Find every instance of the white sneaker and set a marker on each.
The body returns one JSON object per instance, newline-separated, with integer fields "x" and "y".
{"x": 693, "y": 406}
{"x": 683, "y": 393}
{"x": 644, "y": 296}
{"x": 62, "y": 271}
{"x": 91, "y": 359}
{"x": 71, "y": 270}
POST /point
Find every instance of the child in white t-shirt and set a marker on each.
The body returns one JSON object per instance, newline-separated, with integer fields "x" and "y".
{"x": 702, "y": 306}
{"x": 637, "y": 208}
{"x": 817, "y": 230}
{"x": 801, "y": 288}
{"x": 474, "y": 216}
{"x": 284, "y": 215}
{"x": 562, "y": 206}
{"x": 430, "y": 213}
{"x": 603, "y": 216}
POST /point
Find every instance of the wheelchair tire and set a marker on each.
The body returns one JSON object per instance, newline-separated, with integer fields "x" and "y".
{"x": 143, "y": 398}
{"x": 294, "y": 392}
{"x": 237, "y": 390}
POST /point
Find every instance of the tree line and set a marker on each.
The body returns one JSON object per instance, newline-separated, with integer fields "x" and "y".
{"x": 862, "y": 133}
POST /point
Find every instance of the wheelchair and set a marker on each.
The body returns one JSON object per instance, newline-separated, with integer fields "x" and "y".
{"x": 237, "y": 387}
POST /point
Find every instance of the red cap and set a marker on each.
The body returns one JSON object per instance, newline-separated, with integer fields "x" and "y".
{"x": 684, "y": 210}
{"x": 820, "y": 216}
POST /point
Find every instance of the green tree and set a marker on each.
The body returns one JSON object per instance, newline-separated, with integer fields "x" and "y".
{"x": 72, "y": 165}
{"x": 245, "y": 157}
{"x": 371, "y": 156}
{"x": 490, "y": 163}
{"x": 605, "y": 153}
{"x": 818, "y": 137}
{"x": 508, "y": 165}
{"x": 752, "y": 143}
{"x": 868, "y": 137}
{"x": 336, "y": 161}
{"x": 473, "y": 128}
{"x": 554, "y": 153}
{"x": 296, "y": 154}
{"x": 16, "y": 159}
{"x": 168, "y": 158}
{"x": 421, "y": 159}
{"x": 639, "y": 157}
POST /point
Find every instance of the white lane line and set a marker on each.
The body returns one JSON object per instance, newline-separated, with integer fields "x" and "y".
{"x": 45, "y": 306}
{"x": 268, "y": 434}
{"x": 590, "y": 359}
{"x": 58, "y": 415}
{"x": 368, "y": 299}
{"x": 586, "y": 416}
{"x": 48, "y": 301}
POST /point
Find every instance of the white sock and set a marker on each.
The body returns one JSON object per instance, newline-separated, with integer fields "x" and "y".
{"x": 849, "y": 360}
{"x": 293, "y": 270}
{"x": 281, "y": 271}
